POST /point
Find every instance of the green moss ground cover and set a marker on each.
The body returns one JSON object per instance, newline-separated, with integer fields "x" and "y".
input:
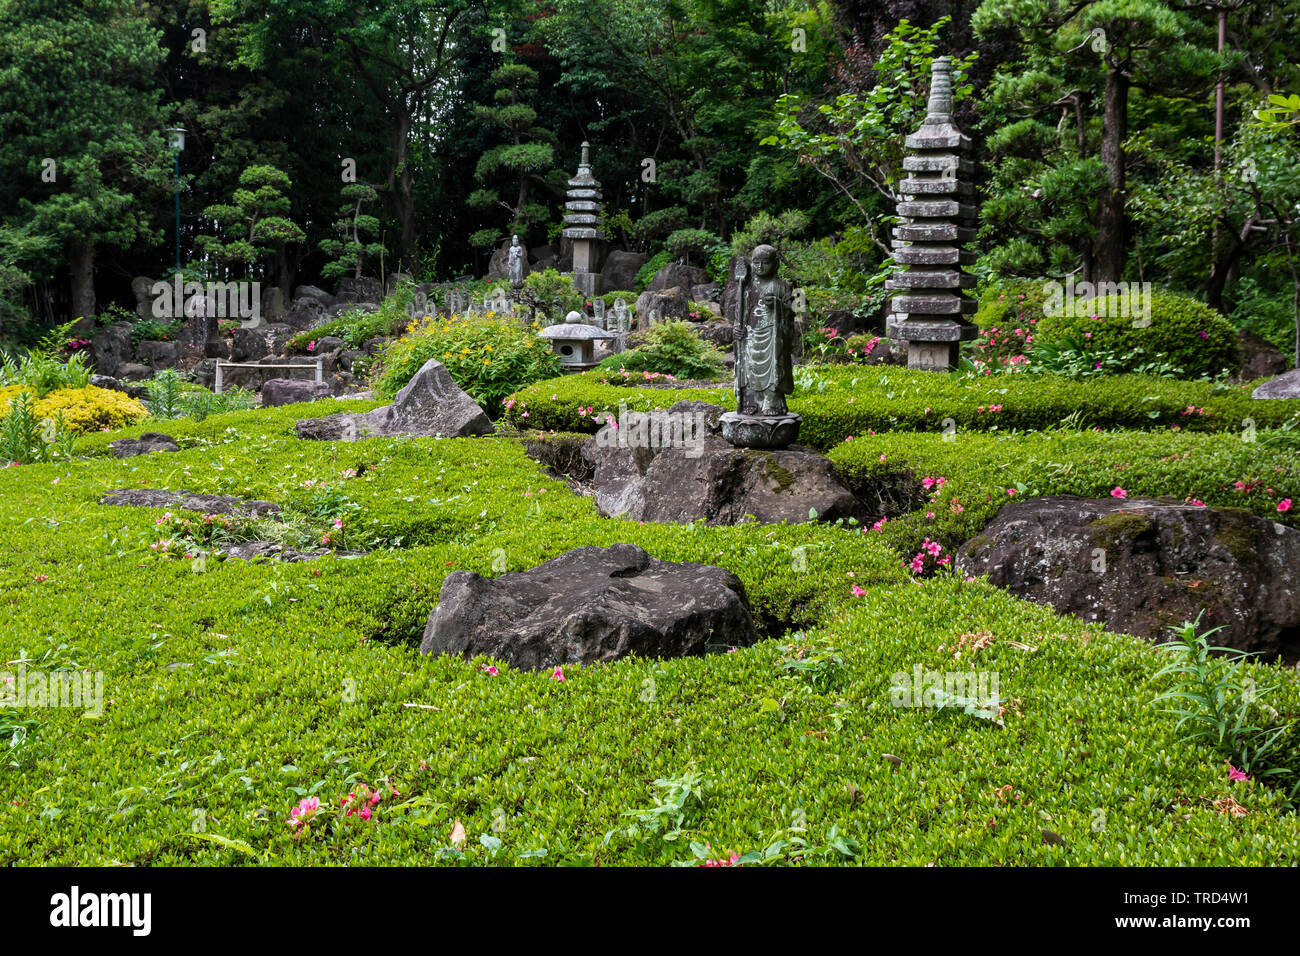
{"x": 839, "y": 401}
{"x": 238, "y": 690}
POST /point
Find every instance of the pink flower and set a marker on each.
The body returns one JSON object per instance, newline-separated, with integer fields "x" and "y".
{"x": 1012, "y": 492}
{"x": 956, "y": 508}
{"x": 365, "y": 813}
{"x": 880, "y": 524}
{"x": 40, "y": 578}
{"x": 1284, "y": 504}
{"x": 490, "y": 668}
{"x": 857, "y": 591}
{"x": 1205, "y": 335}
{"x": 338, "y": 522}
{"x": 1118, "y": 492}
{"x": 933, "y": 547}
{"x": 927, "y": 483}
{"x": 1234, "y": 775}
{"x": 558, "y": 674}
{"x": 303, "y": 812}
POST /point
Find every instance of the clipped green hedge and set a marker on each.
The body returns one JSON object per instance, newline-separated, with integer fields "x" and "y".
{"x": 983, "y": 471}
{"x": 1193, "y": 336}
{"x": 841, "y": 401}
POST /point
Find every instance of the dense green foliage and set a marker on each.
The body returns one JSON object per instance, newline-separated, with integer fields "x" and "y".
{"x": 841, "y": 401}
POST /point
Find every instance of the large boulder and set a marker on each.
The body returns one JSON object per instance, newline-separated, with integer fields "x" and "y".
{"x": 248, "y": 345}
{"x": 306, "y": 314}
{"x": 288, "y": 391}
{"x": 134, "y": 372}
{"x": 1144, "y": 565}
{"x": 677, "y": 275}
{"x": 364, "y": 289}
{"x": 670, "y": 303}
{"x": 499, "y": 264}
{"x": 110, "y": 347}
{"x": 313, "y": 292}
{"x": 157, "y": 355}
{"x": 431, "y": 405}
{"x": 1259, "y": 357}
{"x": 620, "y": 269}
{"x": 1286, "y": 385}
{"x": 673, "y": 467}
{"x": 273, "y": 308}
{"x": 590, "y": 605}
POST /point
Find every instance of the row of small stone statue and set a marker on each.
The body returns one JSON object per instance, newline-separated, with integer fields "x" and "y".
{"x": 619, "y": 319}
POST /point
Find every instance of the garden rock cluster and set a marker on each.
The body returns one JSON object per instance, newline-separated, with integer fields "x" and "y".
{"x": 705, "y": 478}
{"x": 1144, "y": 565}
{"x": 431, "y": 405}
{"x": 205, "y": 504}
{"x": 590, "y": 605}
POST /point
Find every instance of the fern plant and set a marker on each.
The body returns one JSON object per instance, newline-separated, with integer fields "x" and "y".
{"x": 166, "y": 395}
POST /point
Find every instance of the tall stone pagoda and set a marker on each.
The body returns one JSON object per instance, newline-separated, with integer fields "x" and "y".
{"x": 582, "y": 223}
{"x": 938, "y": 213}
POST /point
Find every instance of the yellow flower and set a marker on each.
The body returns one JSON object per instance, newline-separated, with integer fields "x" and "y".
{"x": 487, "y": 348}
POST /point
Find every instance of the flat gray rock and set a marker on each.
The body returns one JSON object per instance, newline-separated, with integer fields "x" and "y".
{"x": 431, "y": 405}
{"x": 646, "y": 471}
{"x": 1286, "y": 385}
{"x": 1144, "y": 565}
{"x": 590, "y": 605}
{"x": 146, "y": 444}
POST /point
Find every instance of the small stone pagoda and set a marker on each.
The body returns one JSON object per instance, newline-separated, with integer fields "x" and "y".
{"x": 938, "y": 214}
{"x": 575, "y": 342}
{"x": 582, "y": 224}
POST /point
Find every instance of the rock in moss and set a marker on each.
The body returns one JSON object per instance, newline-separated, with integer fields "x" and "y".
{"x": 590, "y": 605}
{"x": 1143, "y": 565}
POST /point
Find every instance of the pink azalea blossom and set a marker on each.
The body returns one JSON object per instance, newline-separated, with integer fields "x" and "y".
{"x": 558, "y": 674}
{"x": 304, "y": 811}
{"x": 1284, "y": 504}
{"x": 1118, "y": 492}
{"x": 490, "y": 668}
{"x": 857, "y": 591}
{"x": 1235, "y": 775}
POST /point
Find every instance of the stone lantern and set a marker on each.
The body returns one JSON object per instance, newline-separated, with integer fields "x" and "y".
{"x": 575, "y": 342}
{"x": 582, "y": 223}
{"x": 938, "y": 214}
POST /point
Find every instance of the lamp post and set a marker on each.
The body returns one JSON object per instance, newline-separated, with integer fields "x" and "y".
{"x": 178, "y": 146}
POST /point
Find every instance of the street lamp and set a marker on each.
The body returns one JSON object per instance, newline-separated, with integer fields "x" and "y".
{"x": 178, "y": 146}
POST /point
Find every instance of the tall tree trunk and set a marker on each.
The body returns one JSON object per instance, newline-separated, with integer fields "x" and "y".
{"x": 1108, "y": 263}
{"x": 402, "y": 188}
{"x": 81, "y": 266}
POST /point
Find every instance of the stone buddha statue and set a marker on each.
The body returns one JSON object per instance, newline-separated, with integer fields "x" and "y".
{"x": 763, "y": 333}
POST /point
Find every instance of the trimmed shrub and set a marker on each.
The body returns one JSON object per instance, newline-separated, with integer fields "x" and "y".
{"x": 84, "y": 409}
{"x": 1188, "y": 334}
{"x": 837, "y": 401}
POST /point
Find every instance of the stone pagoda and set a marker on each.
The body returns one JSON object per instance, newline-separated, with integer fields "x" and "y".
{"x": 582, "y": 224}
{"x": 938, "y": 214}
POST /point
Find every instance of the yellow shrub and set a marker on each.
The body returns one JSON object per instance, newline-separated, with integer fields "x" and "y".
{"x": 9, "y": 392}
{"x": 91, "y": 409}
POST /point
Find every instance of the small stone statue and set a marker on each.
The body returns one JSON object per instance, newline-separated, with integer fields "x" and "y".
{"x": 516, "y": 263}
{"x": 763, "y": 333}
